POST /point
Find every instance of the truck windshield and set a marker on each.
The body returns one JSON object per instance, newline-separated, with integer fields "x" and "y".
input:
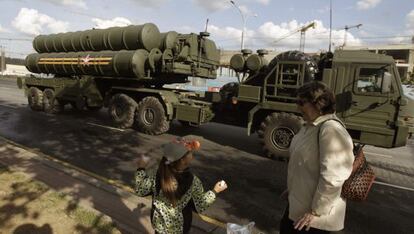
{"x": 375, "y": 80}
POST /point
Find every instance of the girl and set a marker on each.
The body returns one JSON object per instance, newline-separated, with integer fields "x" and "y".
{"x": 176, "y": 192}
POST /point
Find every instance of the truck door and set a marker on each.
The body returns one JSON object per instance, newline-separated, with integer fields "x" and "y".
{"x": 372, "y": 111}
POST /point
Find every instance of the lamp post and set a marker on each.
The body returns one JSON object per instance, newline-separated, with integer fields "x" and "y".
{"x": 244, "y": 19}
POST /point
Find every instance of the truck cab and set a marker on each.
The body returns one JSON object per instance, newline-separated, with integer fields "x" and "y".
{"x": 369, "y": 95}
{"x": 370, "y": 98}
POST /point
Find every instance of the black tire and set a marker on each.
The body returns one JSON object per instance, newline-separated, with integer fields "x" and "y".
{"x": 35, "y": 99}
{"x": 150, "y": 117}
{"x": 122, "y": 110}
{"x": 50, "y": 103}
{"x": 277, "y": 131}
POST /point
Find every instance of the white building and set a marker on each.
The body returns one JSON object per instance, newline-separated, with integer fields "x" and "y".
{"x": 15, "y": 70}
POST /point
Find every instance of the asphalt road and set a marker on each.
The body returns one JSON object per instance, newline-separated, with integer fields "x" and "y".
{"x": 87, "y": 140}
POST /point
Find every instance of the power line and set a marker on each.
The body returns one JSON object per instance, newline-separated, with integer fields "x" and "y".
{"x": 326, "y": 37}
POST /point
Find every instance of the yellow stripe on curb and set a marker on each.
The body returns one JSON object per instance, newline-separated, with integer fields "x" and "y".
{"x": 101, "y": 178}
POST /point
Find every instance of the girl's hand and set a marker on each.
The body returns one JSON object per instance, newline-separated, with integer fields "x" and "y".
{"x": 220, "y": 186}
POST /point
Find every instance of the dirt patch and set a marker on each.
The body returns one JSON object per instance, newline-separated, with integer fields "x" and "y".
{"x": 28, "y": 206}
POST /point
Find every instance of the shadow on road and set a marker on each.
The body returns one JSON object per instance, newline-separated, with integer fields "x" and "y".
{"x": 254, "y": 182}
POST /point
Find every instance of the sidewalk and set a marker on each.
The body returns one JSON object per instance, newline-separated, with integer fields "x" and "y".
{"x": 129, "y": 212}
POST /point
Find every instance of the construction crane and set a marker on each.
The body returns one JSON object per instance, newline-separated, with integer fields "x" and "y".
{"x": 302, "y": 31}
{"x": 346, "y": 32}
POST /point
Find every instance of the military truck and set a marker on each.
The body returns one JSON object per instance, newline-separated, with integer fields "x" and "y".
{"x": 125, "y": 69}
{"x": 370, "y": 99}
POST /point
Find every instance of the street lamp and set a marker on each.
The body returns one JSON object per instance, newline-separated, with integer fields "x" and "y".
{"x": 244, "y": 19}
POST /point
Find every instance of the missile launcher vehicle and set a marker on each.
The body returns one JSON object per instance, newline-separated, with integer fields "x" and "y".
{"x": 125, "y": 69}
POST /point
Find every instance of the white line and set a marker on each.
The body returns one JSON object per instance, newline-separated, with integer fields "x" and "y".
{"x": 379, "y": 155}
{"x": 13, "y": 107}
{"x": 394, "y": 186}
{"x": 102, "y": 126}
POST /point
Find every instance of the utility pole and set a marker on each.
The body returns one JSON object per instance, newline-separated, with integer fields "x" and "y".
{"x": 330, "y": 25}
{"x": 346, "y": 32}
{"x": 244, "y": 19}
{"x": 2, "y": 60}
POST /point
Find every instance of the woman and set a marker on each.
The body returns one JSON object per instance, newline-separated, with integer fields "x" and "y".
{"x": 176, "y": 192}
{"x": 321, "y": 160}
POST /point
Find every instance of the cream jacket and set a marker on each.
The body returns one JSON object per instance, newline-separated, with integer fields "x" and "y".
{"x": 315, "y": 176}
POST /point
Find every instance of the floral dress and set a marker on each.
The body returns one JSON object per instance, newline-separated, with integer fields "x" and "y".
{"x": 165, "y": 217}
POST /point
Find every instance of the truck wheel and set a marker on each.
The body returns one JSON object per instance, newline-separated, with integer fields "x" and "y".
{"x": 122, "y": 110}
{"x": 50, "y": 103}
{"x": 150, "y": 117}
{"x": 35, "y": 99}
{"x": 277, "y": 131}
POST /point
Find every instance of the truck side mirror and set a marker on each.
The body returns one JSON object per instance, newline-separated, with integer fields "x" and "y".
{"x": 386, "y": 83}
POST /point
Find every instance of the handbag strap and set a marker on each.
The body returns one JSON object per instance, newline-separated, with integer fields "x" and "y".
{"x": 357, "y": 147}
{"x": 320, "y": 126}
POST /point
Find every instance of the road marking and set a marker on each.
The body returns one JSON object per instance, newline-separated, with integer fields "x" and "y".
{"x": 394, "y": 186}
{"x": 114, "y": 183}
{"x": 107, "y": 127}
{"x": 379, "y": 155}
{"x": 13, "y": 107}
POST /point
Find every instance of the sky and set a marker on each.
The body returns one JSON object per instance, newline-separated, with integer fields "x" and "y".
{"x": 268, "y": 22}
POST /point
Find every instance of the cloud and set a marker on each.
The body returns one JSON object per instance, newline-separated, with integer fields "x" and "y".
{"x": 117, "y": 21}
{"x": 213, "y": 5}
{"x": 225, "y": 33}
{"x": 264, "y": 2}
{"x": 315, "y": 39}
{"x": 246, "y": 10}
{"x": 367, "y": 4}
{"x": 150, "y": 4}
{"x": 269, "y": 32}
{"x": 71, "y": 3}
{"x": 2, "y": 29}
{"x": 31, "y": 22}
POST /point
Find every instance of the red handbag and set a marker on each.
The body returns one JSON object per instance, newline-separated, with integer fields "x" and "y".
{"x": 359, "y": 183}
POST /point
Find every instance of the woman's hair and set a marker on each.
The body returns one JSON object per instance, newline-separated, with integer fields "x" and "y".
{"x": 319, "y": 95}
{"x": 167, "y": 176}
